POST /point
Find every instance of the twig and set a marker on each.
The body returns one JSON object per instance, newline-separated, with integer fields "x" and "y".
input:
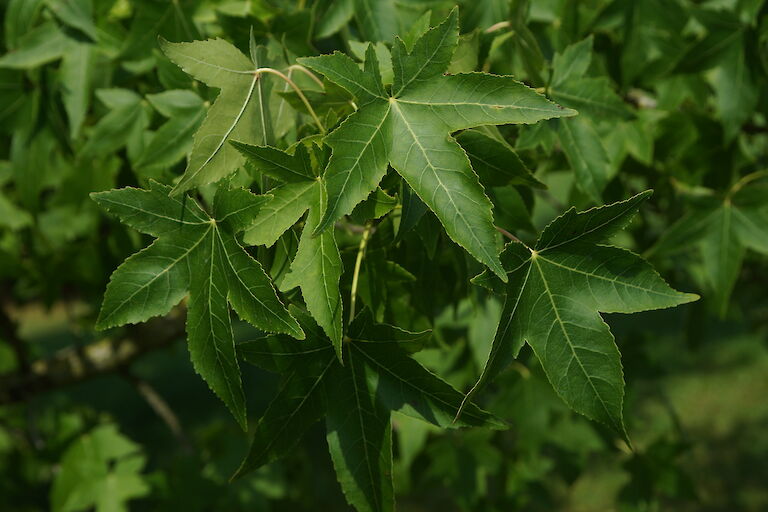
{"x": 356, "y": 274}
{"x": 497, "y": 26}
{"x": 508, "y": 234}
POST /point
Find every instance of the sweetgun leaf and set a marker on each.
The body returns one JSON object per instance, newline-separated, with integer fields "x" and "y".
{"x": 194, "y": 254}
{"x": 552, "y": 300}
{"x": 410, "y": 129}
{"x": 378, "y": 376}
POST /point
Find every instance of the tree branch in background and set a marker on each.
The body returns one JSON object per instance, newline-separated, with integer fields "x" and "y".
{"x": 76, "y": 364}
{"x": 161, "y": 408}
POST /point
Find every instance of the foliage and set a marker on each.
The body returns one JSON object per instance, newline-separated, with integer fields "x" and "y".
{"x": 425, "y": 218}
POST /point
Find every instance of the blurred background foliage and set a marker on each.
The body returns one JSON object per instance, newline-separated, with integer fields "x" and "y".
{"x": 672, "y": 96}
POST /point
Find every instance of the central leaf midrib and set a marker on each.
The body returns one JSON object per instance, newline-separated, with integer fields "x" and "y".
{"x": 220, "y": 358}
{"x": 615, "y": 281}
{"x": 357, "y": 161}
{"x": 244, "y": 285}
{"x": 568, "y": 339}
{"x": 189, "y": 177}
{"x": 359, "y": 410}
{"x": 295, "y": 411}
{"x": 164, "y": 271}
{"x": 437, "y": 177}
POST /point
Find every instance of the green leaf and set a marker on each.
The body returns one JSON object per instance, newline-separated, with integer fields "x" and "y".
{"x": 77, "y": 14}
{"x": 494, "y": 161}
{"x": 586, "y": 154}
{"x": 100, "y": 470}
{"x": 77, "y": 71}
{"x": 359, "y": 435}
{"x": 173, "y": 140}
{"x": 721, "y": 228}
{"x": 39, "y": 46}
{"x": 124, "y": 125}
{"x": 356, "y": 399}
{"x": 552, "y": 300}
{"x": 296, "y": 406}
{"x": 377, "y": 19}
{"x": 736, "y": 94}
{"x": 235, "y": 115}
{"x": 410, "y": 130}
{"x": 406, "y": 386}
{"x": 592, "y": 96}
{"x": 316, "y": 269}
{"x": 573, "y": 63}
{"x": 198, "y": 254}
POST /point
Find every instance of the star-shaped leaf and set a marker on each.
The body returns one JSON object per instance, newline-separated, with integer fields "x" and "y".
{"x": 239, "y": 112}
{"x": 723, "y": 226}
{"x": 409, "y": 128}
{"x": 197, "y": 254}
{"x": 356, "y": 400}
{"x": 317, "y": 267}
{"x": 552, "y": 300}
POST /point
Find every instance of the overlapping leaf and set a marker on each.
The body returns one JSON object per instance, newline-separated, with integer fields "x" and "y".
{"x": 356, "y": 399}
{"x": 194, "y": 254}
{"x": 317, "y": 267}
{"x": 552, "y": 300}
{"x": 410, "y": 128}
{"x": 237, "y": 114}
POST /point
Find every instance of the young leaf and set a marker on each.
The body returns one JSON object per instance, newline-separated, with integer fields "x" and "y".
{"x": 235, "y": 115}
{"x": 410, "y": 130}
{"x": 198, "y": 254}
{"x": 317, "y": 267}
{"x": 552, "y": 300}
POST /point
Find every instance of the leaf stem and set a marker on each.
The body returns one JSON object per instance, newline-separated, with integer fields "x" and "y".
{"x": 497, "y": 26}
{"x": 745, "y": 180}
{"x": 356, "y": 274}
{"x": 508, "y": 234}
{"x": 307, "y": 72}
{"x": 298, "y": 91}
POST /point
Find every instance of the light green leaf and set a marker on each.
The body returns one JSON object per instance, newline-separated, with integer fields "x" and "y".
{"x": 592, "y": 96}
{"x": 39, "y": 46}
{"x": 316, "y": 269}
{"x": 377, "y": 19}
{"x": 235, "y": 115}
{"x": 288, "y": 204}
{"x": 77, "y": 14}
{"x": 77, "y": 70}
{"x": 173, "y": 140}
{"x": 100, "y": 470}
{"x": 572, "y": 63}
{"x": 586, "y": 154}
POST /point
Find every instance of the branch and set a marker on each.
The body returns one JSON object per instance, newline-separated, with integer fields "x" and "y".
{"x": 76, "y": 364}
{"x": 158, "y": 404}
